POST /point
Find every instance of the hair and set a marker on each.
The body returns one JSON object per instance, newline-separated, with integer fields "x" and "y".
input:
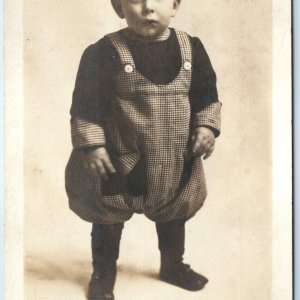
{"x": 117, "y": 7}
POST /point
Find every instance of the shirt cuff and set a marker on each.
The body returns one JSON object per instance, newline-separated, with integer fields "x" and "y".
{"x": 209, "y": 117}
{"x": 86, "y": 134}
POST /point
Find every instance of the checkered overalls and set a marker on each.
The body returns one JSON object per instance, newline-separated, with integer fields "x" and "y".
{"x": 149, "y": 123}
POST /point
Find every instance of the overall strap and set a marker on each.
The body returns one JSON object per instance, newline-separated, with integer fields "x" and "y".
{"x": 122, "y": 48}
{"x": 185, "y": 48}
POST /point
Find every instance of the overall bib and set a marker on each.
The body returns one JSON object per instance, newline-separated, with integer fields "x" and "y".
{"x": 147, "y": 135}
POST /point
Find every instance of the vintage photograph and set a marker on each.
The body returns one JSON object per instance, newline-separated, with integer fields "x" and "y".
{"x": 140, "y": 146}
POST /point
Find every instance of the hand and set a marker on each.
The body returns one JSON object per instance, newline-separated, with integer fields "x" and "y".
{"x": 202, "y": 142}
{"x": 97, "y": 162}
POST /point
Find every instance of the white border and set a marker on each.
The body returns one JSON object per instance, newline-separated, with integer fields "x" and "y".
{"x": 282, "y": 153}
{"x": 14, "y": 210}
{"x": 1, "y": 156}
{"x": 296, "y": 114}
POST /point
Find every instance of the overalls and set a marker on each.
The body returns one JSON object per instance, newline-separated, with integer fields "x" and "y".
{"x": 147, "y": 136}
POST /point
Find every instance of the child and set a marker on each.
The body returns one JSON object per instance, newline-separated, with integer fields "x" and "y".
{"x": 145, "y": 109}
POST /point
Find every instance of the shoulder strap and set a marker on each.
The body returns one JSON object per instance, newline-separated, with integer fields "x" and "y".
{"x": 185, "y": 46}
{"x": 122, "y": 48}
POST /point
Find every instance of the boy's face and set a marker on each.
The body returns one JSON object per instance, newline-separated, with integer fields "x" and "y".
{"x": 147, "y": 18}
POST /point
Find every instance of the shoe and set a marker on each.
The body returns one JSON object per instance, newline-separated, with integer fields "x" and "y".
{"x": 171, "y": 238}
{"x": 183, "y": 276}
{"x": 105, "y": 252}
{"x": 98, "y": 289}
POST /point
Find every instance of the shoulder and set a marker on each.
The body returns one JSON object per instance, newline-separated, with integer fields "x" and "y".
{"x": 103, "y": 47}
{"x": 200, "y": 55}
{"x": 196, "y": 43}
{"x": 100, "y": 55}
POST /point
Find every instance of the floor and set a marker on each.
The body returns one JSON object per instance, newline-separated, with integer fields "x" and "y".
{"x": 61, "y": 269}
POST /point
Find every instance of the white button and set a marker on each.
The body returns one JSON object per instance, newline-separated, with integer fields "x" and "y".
{"x": 128, "y": 68}
{"x": 187, "y": 65}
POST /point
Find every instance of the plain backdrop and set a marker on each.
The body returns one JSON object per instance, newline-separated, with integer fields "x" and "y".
{"x": 230, "y": 239}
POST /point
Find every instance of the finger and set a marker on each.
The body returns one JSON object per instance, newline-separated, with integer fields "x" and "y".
{"x": 197, "y": 146}
{"x": 196, "y": 149}
{"x": 85, "y": 165}
{"x": 193, "y": 138}
{"x": 208, "y": 154}
{"x": 200, "y": 141}
{"x": 101, "y": 170}
{"x": 108, "y": 165}
{"x": 206, "y": 148}
{"x": 93, "y": 169}
{"x": 201, "y": 148}
{"x": 211, "y": 142}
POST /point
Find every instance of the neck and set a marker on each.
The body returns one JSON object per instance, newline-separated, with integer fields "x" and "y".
{"x": 161, "y": 37}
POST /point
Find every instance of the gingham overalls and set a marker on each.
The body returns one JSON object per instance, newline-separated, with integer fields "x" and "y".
{"x": 149, "y": 122}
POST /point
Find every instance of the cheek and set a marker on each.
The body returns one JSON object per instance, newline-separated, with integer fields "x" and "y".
{"x": 165, "y": 20}
{"x": 131, "y": 18}
{"x": 166, "y": 14}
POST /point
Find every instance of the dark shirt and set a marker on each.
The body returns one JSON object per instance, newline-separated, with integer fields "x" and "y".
{"x": 159, "y": 62}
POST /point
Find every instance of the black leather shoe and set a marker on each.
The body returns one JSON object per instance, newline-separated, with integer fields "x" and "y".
{"x": 98, "y": 288}
{"x": 183, "y": 276}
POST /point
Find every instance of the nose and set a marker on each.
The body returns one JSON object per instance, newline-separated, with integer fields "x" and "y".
{"x": 149, "y": 6}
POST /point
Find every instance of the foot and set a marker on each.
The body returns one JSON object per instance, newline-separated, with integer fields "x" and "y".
{"x": 183, "y": 276}
{"x": 98, "y": 288}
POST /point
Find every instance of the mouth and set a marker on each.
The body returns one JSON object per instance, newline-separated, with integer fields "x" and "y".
{"x": 151, "y": 22}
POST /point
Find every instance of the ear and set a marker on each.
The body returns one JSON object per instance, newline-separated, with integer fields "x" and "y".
{"x": 118, "y": 8}
{"x": 176, "y": 5}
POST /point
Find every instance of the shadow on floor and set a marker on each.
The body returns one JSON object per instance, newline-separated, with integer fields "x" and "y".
{"x": 77, "y": 272}
{"x": 42, "y": 268}
{"x": 130, "y": 270}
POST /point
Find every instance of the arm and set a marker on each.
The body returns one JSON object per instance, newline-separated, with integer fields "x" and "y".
{"x": 206, "y": 109}
{"x": 90, "y": 106}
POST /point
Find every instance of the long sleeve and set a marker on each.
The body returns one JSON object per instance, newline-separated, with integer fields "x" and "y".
{"x": 205, "y": 107}
{"x": 210, "y": 117}
{"x": 92, "y": 95}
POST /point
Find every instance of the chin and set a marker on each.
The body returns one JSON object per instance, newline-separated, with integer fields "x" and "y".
{"x": 151, "y": 33}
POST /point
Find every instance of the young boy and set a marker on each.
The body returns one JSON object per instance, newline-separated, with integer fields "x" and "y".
{"x": 145, "y": 109}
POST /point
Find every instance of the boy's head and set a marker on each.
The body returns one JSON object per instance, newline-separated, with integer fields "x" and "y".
{"x": 147, "y": 18}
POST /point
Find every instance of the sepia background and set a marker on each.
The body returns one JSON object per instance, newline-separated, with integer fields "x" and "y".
{"x": 230, "y": 239}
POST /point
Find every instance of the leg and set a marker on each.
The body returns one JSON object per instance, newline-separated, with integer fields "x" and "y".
{"x": 105, "y": 252}
{"x": 171, "y": 236}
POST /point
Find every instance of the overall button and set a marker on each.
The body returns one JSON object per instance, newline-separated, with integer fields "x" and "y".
{"x": 128, "y": 68}
{"x": 187, "y": 65}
